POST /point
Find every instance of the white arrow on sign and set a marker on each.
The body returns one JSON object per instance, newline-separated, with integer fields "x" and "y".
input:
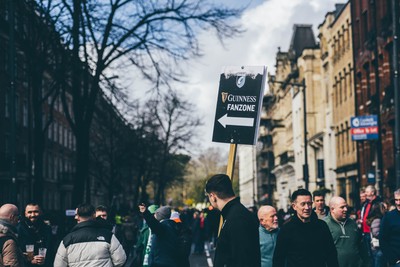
{"x": 236, "y": 121}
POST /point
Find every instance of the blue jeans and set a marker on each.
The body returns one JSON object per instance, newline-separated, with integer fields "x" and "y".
{"x": 377, "y": 259}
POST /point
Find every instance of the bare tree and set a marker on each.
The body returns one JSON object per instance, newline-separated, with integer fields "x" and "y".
{"x": 175, "y": 124}
{"x": 151, "y": 35}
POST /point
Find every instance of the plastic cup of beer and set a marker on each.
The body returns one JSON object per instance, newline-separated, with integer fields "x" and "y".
{"x": 42, "y": 252}
{"x": 30, "y": 251}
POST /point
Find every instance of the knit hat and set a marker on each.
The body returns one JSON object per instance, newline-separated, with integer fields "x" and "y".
{"x": 175, "y": 216}
{"x": 152, "y": 208}
{"x": 163, "y": 213}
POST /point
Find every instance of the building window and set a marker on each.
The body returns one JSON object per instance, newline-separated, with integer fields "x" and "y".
{"x": 25, "y": 113}
{"x": 17, "y": 108}
{"x": 347, "y": 129}
{"x": 55, "y": 168}
{"x": 50, "y": 166}
{"x": 55, "y": 134}
{"x": 7, "y": 105}
{"x": 60, "y": 132}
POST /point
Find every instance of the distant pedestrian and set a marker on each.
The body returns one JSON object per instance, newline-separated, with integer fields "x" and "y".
{"x": 304, "y": 241}
{"x": 372, "y": 199}
{"x": 320, "y": 208}
{"x": 89, "y": 243}
{"x": 11, "y": 254}
{"x": 199, "y": 232}
{"x": 238, "y": 243}
{"x": 32, "y": 230}
{"x": 268, "y": 229}
{"x": 346, "y": 235}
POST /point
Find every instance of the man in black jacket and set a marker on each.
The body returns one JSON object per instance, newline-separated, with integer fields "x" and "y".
{"x": 32, "y": 230}
{"x": 238, "y": 242}
{"x": 304, "y": 241}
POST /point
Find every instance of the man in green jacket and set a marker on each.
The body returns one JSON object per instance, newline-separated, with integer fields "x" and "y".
{"x": 346, "y": 236}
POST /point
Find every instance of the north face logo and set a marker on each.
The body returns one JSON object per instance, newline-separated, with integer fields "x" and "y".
{"x": 101, "y": 238}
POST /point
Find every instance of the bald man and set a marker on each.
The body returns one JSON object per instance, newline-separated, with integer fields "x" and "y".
{"x": 268, "y": 233}
{"x": 346, "y": 235}
{"x": 11, "y": 254}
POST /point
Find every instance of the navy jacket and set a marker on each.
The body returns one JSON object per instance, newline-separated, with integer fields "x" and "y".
{"x": 389, "y": 236}
{"x": 164, "y": 241}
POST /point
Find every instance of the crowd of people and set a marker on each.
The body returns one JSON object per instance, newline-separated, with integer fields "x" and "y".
{"x": 310, "y": 234}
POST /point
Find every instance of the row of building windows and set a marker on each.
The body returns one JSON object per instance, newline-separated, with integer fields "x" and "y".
{"x": 56, "y": 167}
{"x": 341, "y": 41}
{"x": 56, "y": 131}
{"x": 344, "y": 143}
{"x": 342, "y": 87}
{"x": 62, "y": 135}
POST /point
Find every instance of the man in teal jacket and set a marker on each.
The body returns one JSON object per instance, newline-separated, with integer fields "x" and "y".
{"x": 346, "y": 236}
{"x": 268, "y": 233}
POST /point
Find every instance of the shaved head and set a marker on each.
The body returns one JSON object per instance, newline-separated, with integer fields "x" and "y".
{"x": 334, "y": 201}
{"x": 338, "y": 208}
{"x": 9, "y": 212}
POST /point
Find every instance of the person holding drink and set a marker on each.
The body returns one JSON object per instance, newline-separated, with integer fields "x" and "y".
{"x": 36, "y": 239}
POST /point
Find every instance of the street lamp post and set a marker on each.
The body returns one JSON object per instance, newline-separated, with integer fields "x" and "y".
{"x": 305, "y": 166}
{"x": 395, "y": 19}
{"x": 11, "y": 62}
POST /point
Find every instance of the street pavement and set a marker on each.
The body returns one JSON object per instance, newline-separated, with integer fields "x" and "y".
{"x": 203, "y": 259}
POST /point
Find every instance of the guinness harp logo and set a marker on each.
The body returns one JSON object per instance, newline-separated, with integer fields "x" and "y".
{"x": 224, "y": 96}
{"x": 240, "y": 80}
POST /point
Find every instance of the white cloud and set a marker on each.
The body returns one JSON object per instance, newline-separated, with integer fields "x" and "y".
{"x": 269, "y": 26}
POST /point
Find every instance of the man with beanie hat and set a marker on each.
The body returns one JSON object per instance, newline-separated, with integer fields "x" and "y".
{"x": 163, "y": 213}
{"x": 164, "y": 237}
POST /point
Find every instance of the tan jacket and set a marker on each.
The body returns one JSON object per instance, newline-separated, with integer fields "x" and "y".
{"x": 11, "y": 254}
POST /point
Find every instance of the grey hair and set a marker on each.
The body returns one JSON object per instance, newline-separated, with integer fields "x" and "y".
{"x": 397, "y": 192}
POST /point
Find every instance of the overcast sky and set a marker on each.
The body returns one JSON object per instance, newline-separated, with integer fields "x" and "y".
{"x": 268, "y": 25}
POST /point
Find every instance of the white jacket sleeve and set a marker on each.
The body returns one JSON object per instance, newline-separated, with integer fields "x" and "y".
{"x": 117, "y": 252}
{"x": 61, "y": 259}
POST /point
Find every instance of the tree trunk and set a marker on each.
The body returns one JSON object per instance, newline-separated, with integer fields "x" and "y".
{"x": 82, "y": 166}
{"x": 38, "y": 135}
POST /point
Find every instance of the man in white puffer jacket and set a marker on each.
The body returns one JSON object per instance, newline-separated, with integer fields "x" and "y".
{"x": 90, "y": 243}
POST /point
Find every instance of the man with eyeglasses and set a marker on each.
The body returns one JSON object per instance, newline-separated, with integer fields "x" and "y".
{"x": 304, "y": 241}
{"x": 389, "y": 236}
{"x": 11, "y": 255}
{"x": 238, "y": 242}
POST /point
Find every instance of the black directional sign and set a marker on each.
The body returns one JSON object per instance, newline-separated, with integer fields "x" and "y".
{"x": 239, "y": 105}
